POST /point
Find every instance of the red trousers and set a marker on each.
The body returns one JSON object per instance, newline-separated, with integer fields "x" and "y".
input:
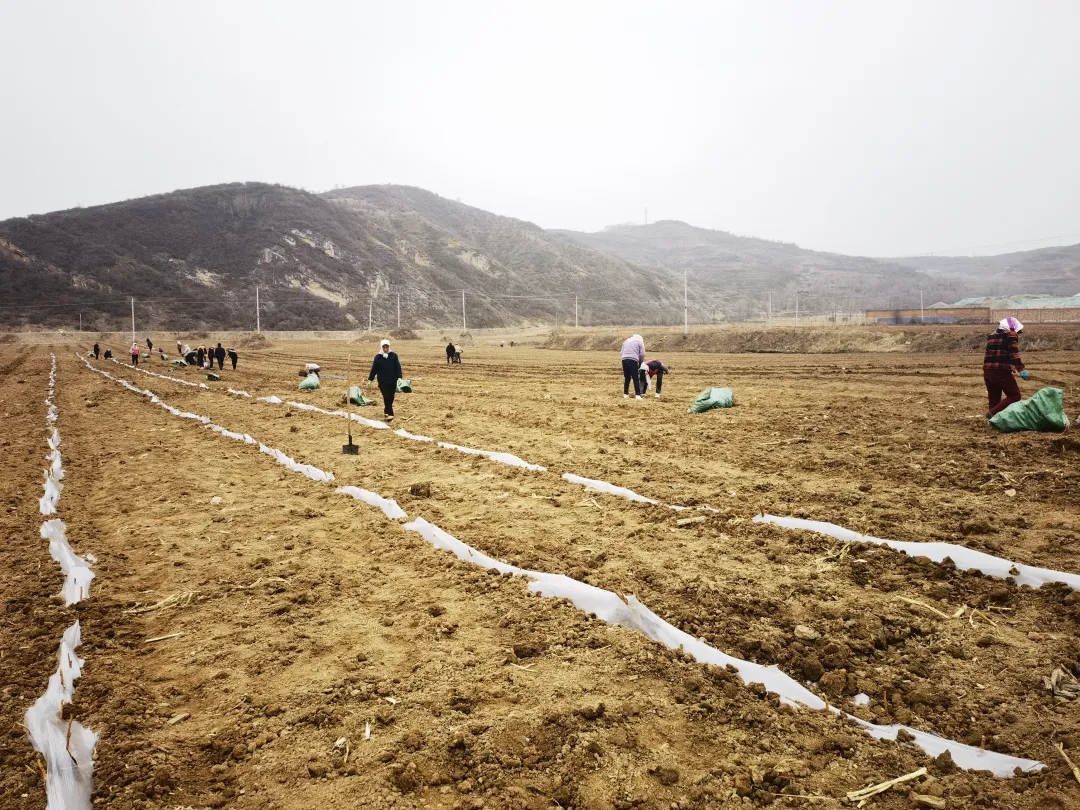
{"x": 1000, "y": 381}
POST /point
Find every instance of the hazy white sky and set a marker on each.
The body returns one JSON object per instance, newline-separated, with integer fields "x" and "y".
{"x": 862, "y": 127}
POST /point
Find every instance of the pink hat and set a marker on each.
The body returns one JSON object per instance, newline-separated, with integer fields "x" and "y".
{"x": 1011, "y": 324}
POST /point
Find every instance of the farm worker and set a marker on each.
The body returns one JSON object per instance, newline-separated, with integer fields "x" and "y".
{"x": 200, "y": 355}
{"x": 219, "y": 353}
{"x": 232, "y": 356}
{"x": 1002, "y": 356}
{"x": 180, "y": 348}
{"x": 97, "y": 351}
{"x": 633, "y": 355}
{"x": 134, "y": 354}
{"x": 387, "y": 368}
{"x": 450, "y": 352}
{"x": 653, "y": 368}
{"x": 190, "y": 357}
{"x": 149, "y": 345}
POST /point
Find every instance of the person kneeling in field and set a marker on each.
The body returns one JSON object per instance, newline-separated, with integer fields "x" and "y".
{"x": 653, "y": 368}
{"x": 387, "y": 368}
{"x": 1002, "y": 356}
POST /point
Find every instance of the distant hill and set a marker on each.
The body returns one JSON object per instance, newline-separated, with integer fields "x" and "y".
{"x": 733, "y": 276}
{"x": 1050, "y": 270}
{"x": 193, "y": 258}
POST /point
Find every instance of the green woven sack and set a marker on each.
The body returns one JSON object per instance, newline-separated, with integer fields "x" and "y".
{"x": 178, "y": 363}
{"x": 1044, "y": 411}
{"x": 356, "y": 396}
{"x": 309, "y": 383}
{"x": 712, "y": 398}
{"x": 214, "y": 377}
{"x": 404, "y": 386}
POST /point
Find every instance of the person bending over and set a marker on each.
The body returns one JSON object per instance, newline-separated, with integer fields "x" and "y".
{"x": 653, "y": 368}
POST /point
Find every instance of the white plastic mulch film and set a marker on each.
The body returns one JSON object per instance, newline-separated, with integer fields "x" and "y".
{"x": 162, "y": 376}
{"x": 66, "y": 745}
{"x": 964, "y": 558}
{"x": 632, "y": 614}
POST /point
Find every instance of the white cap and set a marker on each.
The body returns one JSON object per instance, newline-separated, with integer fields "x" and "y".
{"x": 385, "y": 342}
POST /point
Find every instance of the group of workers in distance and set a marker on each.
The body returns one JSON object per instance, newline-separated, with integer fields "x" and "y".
{"x": 638, "y": 370}
{"x": 1001, "y": 359}
{"x": 202, "y": 357}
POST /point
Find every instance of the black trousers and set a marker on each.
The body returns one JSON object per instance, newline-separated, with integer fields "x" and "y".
{"x": 220, "y": 363}
{"x": 644, "y": 375}
{"x": 233, "y": 362}
{"x": 134, "y": 359}
{"x": 630, "y": 374}
{"x": 388, "y": 392}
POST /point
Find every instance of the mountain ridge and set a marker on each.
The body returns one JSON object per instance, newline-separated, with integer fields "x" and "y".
{"x": 192, "y": 258}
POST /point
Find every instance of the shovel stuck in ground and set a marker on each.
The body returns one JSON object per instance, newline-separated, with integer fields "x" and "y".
{"x": 349, "y": 449}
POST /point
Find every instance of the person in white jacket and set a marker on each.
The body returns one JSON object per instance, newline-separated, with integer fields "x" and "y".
{"x": 633, "y": 355}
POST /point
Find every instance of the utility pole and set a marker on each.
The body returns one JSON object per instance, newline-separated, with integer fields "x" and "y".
{"x": 80, "y": 321}
{"x": 399, "y": 310}
{"x": 370, "y": 305}
{"x": 575, "y": 312}
{"x": 133, "y": 320}
{"x": 464, "y": 328}
{"x": 922, "y": 310}
{"x": 258, "y": 321}
{"x": 646, "y": 215}
{"x": 770, "y": 310}
{"x": 685, "y": 306}
{"x": 796, "y": 309}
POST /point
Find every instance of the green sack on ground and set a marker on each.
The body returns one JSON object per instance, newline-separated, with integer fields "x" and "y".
{"x": 214, "y": 377}
{"x": 404, "y": 386}
{"x": 1044, "y": 411}
{"x": 356, "y": 396}
{"x": 712, "y": 398}
{"x": 309, "y": 383}
{"x": 178, "y": 363}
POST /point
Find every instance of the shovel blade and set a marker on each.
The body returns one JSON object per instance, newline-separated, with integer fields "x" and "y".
{"x": 350, "y": 449}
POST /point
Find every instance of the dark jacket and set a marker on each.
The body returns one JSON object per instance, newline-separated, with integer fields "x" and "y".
{"x": 387, "y": 369}
{"x": 219, "y": 352}
{"x": 1002, "y": 352}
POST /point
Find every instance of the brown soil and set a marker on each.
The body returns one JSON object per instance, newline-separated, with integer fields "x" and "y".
{"x": 842, "y": 339}
{"x": 308, "y": 609}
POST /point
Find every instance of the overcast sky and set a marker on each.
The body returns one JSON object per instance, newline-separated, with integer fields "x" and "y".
{"x": 861, "y": 127}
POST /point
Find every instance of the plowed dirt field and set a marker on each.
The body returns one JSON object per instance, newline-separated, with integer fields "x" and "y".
{"x": 326, "y": 657}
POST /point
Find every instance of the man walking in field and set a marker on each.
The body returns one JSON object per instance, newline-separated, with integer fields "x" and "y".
{"x": 633, "y": 355}
{"x": 387, "y": 368}
{"x": 1002, "y": 356}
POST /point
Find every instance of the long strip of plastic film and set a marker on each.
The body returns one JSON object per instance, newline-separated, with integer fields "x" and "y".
{"x": 964, "y": 558}
{"x": 161, "y": 376}
{"x": 66, "y": 746}
{"x": 989, "y": 565}
{"x": 937, "y": 552}
{"x": 632, "y": 614}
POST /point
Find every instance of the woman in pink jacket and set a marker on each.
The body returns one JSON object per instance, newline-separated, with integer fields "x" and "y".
{"x": 134, "y": 354}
